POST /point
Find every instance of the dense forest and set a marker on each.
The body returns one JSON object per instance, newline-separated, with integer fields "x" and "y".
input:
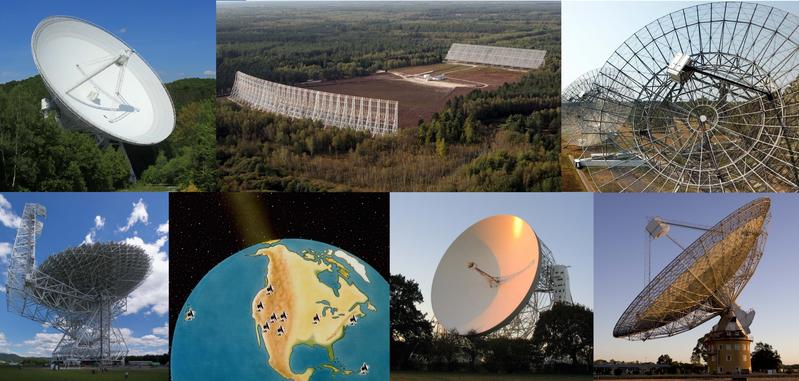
{"x": 37, "y": 154}
{"x": 300, "y": 41}
{"x": 562, "y": 341}
{"x": 501, "y": 140}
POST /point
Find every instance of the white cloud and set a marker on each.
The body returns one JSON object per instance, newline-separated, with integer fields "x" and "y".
{"x": 5, "y": 251}
{"x": 8, "y": 218}
{"x": 138, "y": 214}
{"x": 153, "y": 294}
{"x": 163, "y": 228}
{"x": 99, "y": 223}
{"x": 210, "y": 73}
{"x": 123, "y": 30}
{"x": 147, "y": 344}
{"x": 162, "y": 330}
{"x": 42, "y": 345}
{"x": 3, "y": 343}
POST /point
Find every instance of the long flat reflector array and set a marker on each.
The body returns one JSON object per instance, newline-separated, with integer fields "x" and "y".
{"x": 378, "y": 116}
{"x": 496, "y": 56}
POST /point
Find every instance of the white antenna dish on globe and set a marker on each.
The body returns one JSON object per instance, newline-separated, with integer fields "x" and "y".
{"x": 99, "y": 84}
{"x": 497, "y": 276}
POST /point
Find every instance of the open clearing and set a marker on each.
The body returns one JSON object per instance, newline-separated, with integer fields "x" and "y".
{"x": 456, "y": 376}
{"x": 419, "y": 99}
{"x": 39, "y": 374}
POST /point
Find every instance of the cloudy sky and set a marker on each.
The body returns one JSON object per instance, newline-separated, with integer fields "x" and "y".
{"x": 141, "y": 219}
{"x": 178, "y": 41}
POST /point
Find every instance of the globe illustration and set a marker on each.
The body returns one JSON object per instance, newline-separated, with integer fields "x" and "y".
{"x": 289, "y": 309}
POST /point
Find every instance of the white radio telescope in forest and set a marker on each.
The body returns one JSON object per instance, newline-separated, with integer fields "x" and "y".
{"x": 99, "y": 84}
{"x": 78, "y": 291}
{"x": 704, "y": 282}
{"x": 496, "y": 278}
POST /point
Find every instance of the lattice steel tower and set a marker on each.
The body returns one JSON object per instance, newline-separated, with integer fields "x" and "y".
{"x": 78, "y": 291}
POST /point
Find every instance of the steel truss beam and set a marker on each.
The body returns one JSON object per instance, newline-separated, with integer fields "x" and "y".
{"x": 337, "y": 110}
{"x": 59, "y": 294}
{"x": 728, "y": 123}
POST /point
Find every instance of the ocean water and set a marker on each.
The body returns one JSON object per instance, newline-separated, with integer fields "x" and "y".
{"x": 220, "y": 343}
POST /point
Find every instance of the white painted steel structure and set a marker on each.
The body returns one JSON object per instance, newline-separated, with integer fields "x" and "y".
{"x": 496, "y": 56}
{"x": 78, "y": 292}
{"x": 100, "y": 84}
{"x": 705, "y": 99}
{"x": 378, "y": 116}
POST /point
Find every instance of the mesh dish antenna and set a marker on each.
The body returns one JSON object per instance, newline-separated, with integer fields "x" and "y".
{"x": 703, "y": 99}
{"x": 99, "y": 84}
{"x": 578, "y": 127}
{"x": 704, "y": 281}
{"x": 496, "y": 277}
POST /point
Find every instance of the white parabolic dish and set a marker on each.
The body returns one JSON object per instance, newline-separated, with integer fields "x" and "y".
{"x": 100, "y": 83}
{"x": 504, "y": 247}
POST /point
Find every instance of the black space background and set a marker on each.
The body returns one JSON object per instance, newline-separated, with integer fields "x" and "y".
{"x": 204, "y": 229}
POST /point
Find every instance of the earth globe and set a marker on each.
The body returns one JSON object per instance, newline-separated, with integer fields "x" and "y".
{"x": 289, "y": 309}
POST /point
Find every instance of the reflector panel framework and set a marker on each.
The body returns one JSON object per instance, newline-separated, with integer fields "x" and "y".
{"x": 496, "y": 56}
{"x": 377, "y": 116}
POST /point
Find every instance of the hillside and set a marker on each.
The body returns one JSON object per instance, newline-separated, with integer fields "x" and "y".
{"x": 37, "y": 154}
{"x": 10, "y": 357}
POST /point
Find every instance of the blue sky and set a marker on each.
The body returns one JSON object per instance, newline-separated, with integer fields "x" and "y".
{"x": 620, "y": 269}
{"x": 141, "y": 219}
{"x": 176, "y": 37}
{"x": 593, "y": 30}
{"x": 424, "y": 224}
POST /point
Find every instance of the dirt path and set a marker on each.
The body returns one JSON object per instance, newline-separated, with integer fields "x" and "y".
{"x": 586, "y": 183}
{"x": 448, "y": 83}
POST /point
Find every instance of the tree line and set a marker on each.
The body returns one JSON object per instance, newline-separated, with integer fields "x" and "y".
{"x": 292, "y": 43}
{"x": 37, "y": 154}
{"x": 562, "y": 341}
{"x": 506, "y": 139}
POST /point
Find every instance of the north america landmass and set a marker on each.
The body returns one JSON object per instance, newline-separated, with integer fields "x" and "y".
{"x": 296, "y": 308}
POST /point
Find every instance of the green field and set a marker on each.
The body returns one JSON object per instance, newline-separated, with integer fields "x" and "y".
{"x": 433, "y": 376}
{"x": 36, "y": 374}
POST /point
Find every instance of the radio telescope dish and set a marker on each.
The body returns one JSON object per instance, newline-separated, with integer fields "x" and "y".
{"x": 703, "y": 99}
{"x": 704, "y": 281}
{"x": 490, "y": 278}
{"x": 578, "y": 127}
{"x": 78, "y": 291}
{"x": 99, "y": 84}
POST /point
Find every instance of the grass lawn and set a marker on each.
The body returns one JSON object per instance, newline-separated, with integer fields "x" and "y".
{"x": 433, "y": 376}
{"x": 37, "y": 374}
{"x": 140, "y": 187}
